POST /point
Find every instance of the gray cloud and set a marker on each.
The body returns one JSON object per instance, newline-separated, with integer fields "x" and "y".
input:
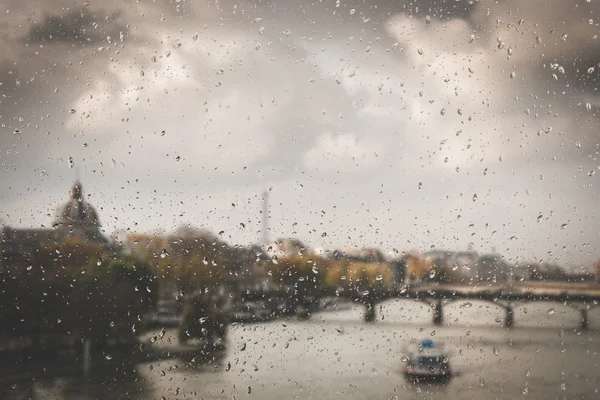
{"x": 78, "y": 26}
{"x": 335, "y": 110}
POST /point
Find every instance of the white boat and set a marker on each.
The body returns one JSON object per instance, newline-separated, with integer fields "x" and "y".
{"x": 428, "y": 363}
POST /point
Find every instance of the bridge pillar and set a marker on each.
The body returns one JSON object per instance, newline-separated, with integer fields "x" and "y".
{"x": 369, "y": 312}
{"x": 583, "y": 324}
{"x": 509, "y": 319}
{"x": 438, "y": 314}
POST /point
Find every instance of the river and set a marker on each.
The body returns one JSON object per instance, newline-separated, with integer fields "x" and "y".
{"x": 336, "y": 355}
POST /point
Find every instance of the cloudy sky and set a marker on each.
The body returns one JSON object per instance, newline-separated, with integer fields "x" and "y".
{"x": 398, "y": 124}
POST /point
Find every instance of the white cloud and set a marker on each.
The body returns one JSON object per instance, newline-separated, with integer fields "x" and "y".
{"x": 342, "y": 152}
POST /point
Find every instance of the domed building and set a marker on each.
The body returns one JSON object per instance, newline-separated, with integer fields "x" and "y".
{"x": 76, "y": 219}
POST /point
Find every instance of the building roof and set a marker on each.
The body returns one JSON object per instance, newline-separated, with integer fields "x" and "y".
{"x": 76, "y": 212}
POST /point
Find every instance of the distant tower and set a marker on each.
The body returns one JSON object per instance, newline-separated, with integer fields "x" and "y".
{"x": 265, "y": 218}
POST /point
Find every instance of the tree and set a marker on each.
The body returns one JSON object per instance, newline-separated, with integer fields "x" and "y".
{"x": 302, "y": 271}
{"x": 337, "y": 274}
{"x": 109, "y": 300}
{"x": 364, "y": 276}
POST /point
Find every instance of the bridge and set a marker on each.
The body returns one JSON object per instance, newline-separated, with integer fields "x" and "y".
{"x": 581, "y": 297}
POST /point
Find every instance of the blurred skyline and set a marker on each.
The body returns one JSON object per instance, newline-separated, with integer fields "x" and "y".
{"x": 389, "y": 124}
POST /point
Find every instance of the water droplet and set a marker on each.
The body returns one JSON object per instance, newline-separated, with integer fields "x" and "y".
{"x": 496, "y": 351}
{"x": 86, "y": 3}
{"x": 590, "y": 70}
{"x": 404, "y": 359}
{"x": 432, "y": 333}
{"x": 481, "y": 381}
{"x": 420, "y": 51}
{"x": 551, "y": 311}
{"x": 352, "y": 11}
{"x": 443, "y": 111}
{"x": 588, "y": 106}
{"x": 112, "y": 324}
{"x": 564, "y": 37}
{"x": 466, "y": 305}
{"x": 108, "y": 357}
{"x": 99, "y": 262}
{"x": 195, "y": 37}
{"x": 563, "y": 386}
{"x": 249, "y": 389}
{"x": 525, "y": 391}
{"x": 428, "y": 20}
{"x": 261, "y": 30}
{"x": 243, "y": 348}
{"x": 379, "y": 278}
{"x": 471, "y": 38}
{"x": 420, "y": 185}
{"x": 164, "y": 253}
{"x": 339, "y": 329}
{"x": 513, "y": 74}
{"x": 528, "y": 373}
{"x": 228, "y": 366}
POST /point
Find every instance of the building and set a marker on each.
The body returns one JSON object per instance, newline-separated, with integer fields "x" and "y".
{"x": 492, "y": 268}
{"x": 74, "y": 219}
{"x": 283, "y": 248}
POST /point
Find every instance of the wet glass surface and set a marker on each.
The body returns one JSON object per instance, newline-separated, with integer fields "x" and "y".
{"x": 335, "y": 354}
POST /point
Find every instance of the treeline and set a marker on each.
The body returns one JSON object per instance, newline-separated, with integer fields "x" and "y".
{"x": 320, "y": 272}
{"x": 74, "y": 291}
{"x": 194, "y": 260}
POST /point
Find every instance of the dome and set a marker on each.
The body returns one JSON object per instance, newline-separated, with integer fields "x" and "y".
{"x": 76, "y": 212}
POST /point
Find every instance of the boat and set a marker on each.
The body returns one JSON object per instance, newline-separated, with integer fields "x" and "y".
{"x": 428, "y": 363}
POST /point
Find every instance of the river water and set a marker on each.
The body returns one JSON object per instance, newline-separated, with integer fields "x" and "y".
{"x": 336, "y": 355}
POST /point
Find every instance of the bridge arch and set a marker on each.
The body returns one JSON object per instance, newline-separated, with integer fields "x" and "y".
{"x": 403, "y": 310}
{"x": 504, "y": 307}
{"x": 551, "y": 306}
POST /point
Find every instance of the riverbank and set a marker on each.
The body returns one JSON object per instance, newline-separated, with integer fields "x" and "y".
{"x": 18, "y": 365}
